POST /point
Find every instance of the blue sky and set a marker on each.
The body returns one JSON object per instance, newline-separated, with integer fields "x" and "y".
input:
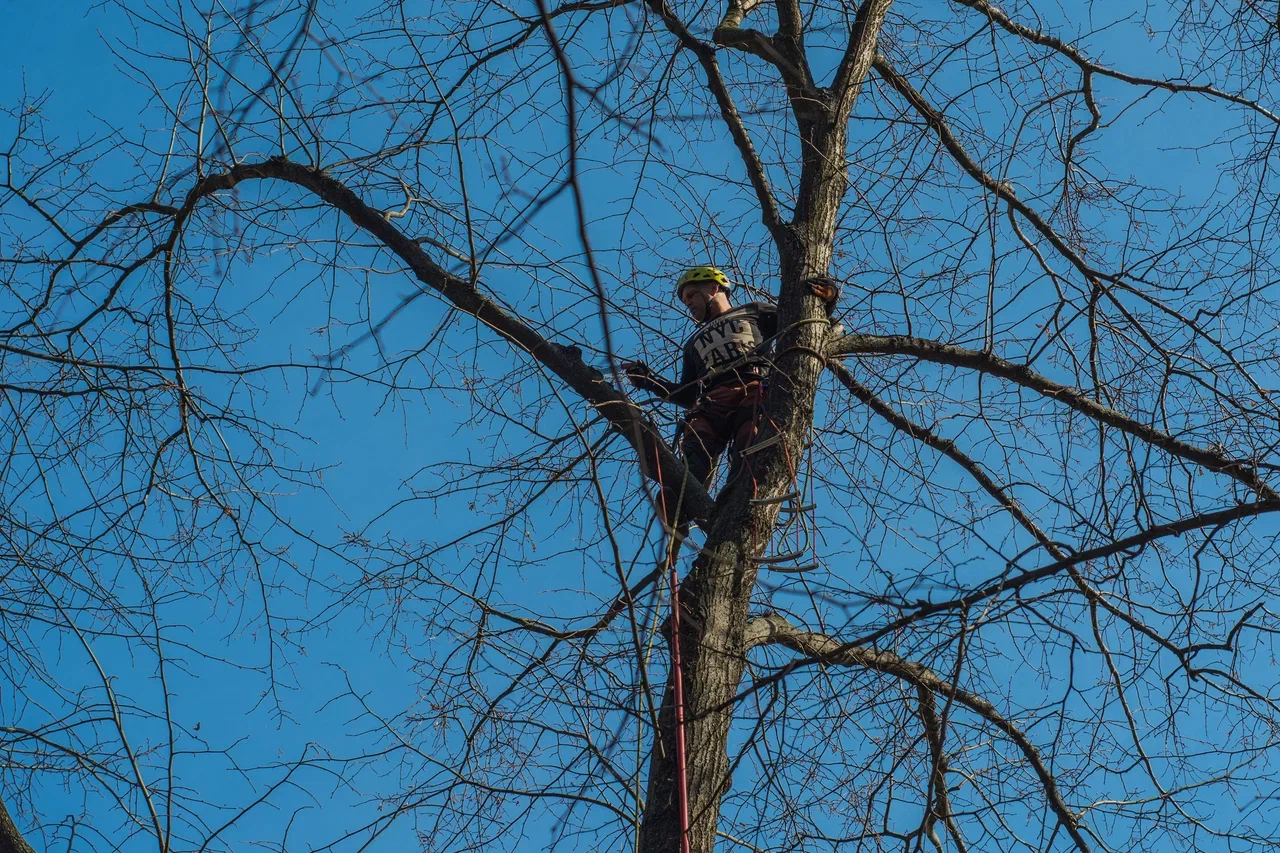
{"x": 369, "y": 447}
{"x": 86, "y": 92}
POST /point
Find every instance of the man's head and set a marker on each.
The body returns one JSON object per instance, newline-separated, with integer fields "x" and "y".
{"x": 704, "y": 292}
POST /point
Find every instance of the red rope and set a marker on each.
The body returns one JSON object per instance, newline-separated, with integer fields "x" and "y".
{"x": 677, "y": 667}
{"x": 677, "y": 664}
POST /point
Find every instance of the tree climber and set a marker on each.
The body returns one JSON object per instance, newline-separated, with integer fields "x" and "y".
{"x": 722, "y": 381}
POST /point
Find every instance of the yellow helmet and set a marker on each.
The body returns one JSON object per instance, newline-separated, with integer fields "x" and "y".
{"x": 699, "y": 274}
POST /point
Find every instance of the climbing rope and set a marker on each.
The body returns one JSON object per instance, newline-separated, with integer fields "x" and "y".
{"x": 672, "y": 545}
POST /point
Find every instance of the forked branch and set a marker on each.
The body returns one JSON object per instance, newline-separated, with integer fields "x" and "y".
{"x": 1020, "y": 374}
{"x": 564, "y": 361}
{"x": 775, "y": 630}
{"x": 706, "y": 55}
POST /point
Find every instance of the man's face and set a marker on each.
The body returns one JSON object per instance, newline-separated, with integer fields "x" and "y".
{"x": 696, "y": 296}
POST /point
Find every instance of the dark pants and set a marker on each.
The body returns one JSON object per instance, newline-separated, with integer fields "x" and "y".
{"x": 727, "y": 416}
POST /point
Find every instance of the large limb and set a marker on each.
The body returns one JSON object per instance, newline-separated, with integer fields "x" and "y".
{"x": 776, "y": 630}
{"x": 706, "y": 56}
{"x": 1021, "y": 374}
{"x": 565, "y": 362}
{"x": 859, "y": 53}
{"x": 1008, "y": 583}
{"x": 11, "y": 840}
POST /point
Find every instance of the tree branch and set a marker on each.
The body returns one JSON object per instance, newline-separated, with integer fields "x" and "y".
{"x": 564, "y": 361}
{"x": 860, "y": 53}
{"x": 775, "y": 630}
{"x": 758, "y": 44}
{"x": 1019, "y": 374}
{"x": 1132, "y": 544}
{"x": 784, "y": 50}
{"x": 706, "y": 55}
{"x": 1001, "y": 189}
{"x": 1087, "y": 65}
{"x": 939, "y": 805}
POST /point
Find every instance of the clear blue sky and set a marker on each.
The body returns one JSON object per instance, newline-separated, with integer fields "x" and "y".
{"x": 63, "y": 50}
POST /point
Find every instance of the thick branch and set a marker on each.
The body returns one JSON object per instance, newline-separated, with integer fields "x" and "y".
{"x": 773, "y": 629}
{"x": 759, "y": 44}
{"x": 759, "y": 633}
{"x": 564, "y": 362}
{"x": 706, "y": 55}
{"x": 939, "y": 805}
{"x": 860, "y": 53}
{"x": 11, "y": 840}
{"x": 791, "y": 36}
{"x": 785, "y": 51}
{"x": 1020, "y": 374}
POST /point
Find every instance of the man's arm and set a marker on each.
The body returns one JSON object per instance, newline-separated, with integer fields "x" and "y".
{"x": 767, "y": 320}
{"x": 645, "y": 379}
{"x": 640, "y": 376}
{"x": 684, "y": 393}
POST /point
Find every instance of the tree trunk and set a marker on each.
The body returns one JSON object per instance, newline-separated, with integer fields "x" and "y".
{"x": 717, "y": 593}
{"x": 716, "y": 596}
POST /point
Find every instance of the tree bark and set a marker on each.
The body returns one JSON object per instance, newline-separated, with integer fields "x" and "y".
{"x": 11, "y": 840}
{"x": 716, "y": 596}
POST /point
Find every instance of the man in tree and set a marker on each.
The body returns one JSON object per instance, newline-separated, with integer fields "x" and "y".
{"x": 722, "y": 380}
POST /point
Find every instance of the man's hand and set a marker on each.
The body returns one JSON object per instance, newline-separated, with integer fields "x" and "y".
{"x": 638, "y": 374}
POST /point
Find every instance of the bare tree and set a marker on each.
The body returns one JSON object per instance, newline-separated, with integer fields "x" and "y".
{"x": 998, "y": 572}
